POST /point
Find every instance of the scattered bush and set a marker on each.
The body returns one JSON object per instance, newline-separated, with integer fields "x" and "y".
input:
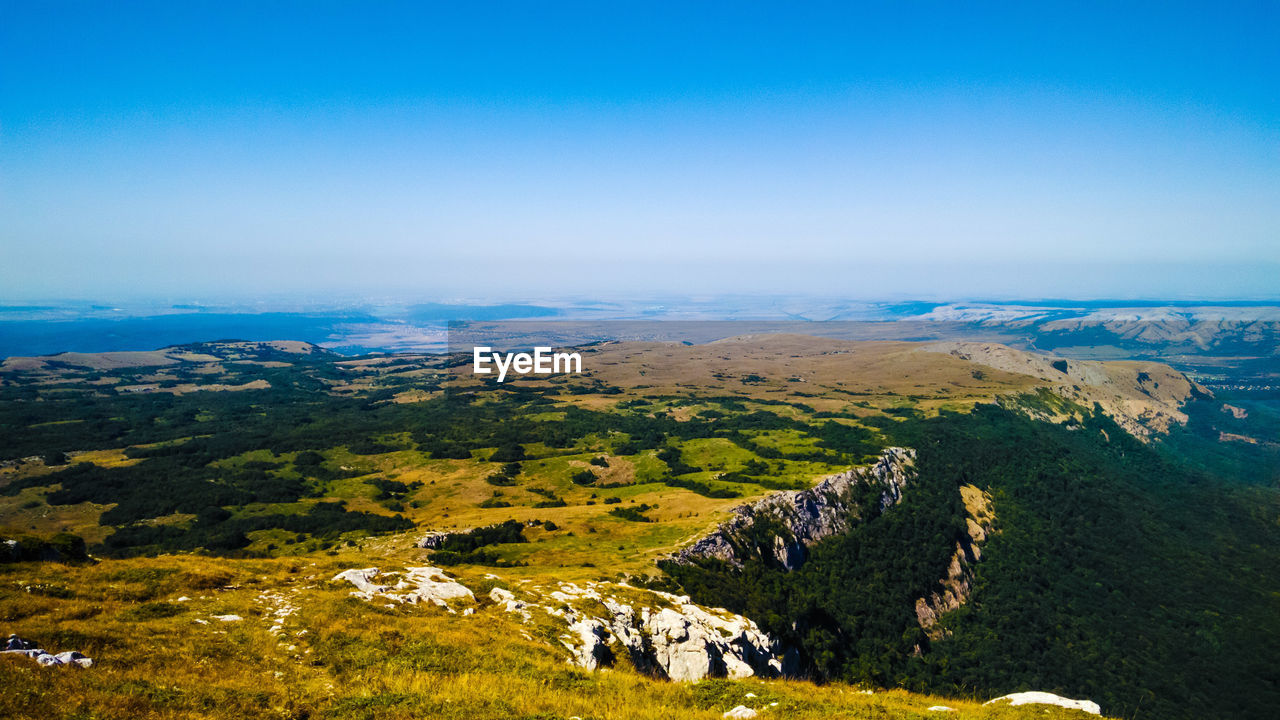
{"x": 633, "y": 513}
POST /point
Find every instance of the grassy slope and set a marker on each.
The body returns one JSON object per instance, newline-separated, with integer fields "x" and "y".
{"x": 338, "y": 657}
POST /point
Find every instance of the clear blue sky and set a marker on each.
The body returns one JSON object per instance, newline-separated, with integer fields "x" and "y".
{"x": 510, "y": 150}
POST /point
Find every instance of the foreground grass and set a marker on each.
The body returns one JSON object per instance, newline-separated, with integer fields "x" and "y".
{"x": 334, "y": 656}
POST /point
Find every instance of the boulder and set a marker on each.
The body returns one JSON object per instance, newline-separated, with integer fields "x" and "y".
{"x": 1044, "y": 698}
{"x": 363, "y": 580}
{"x": 16, "y": 646}
{"x": 508, "y": 601}
{"x": 418, "y": 584}
{"x": 429, "y": 584}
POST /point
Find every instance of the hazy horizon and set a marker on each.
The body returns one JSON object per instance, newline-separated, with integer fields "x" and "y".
{"x": 319, "y": 300}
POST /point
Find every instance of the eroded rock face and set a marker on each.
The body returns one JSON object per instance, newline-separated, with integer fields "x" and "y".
{"x": 957, "y": 585}
{"x": 805, "y": 516}
{"x": 956, "y": 588}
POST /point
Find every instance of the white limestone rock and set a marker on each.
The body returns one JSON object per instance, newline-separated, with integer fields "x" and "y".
{"x": 692, "y": 642}
{"x": 591, "y": 650}
{"x": 1036, "y": 697}
{"x": 667, "y": 635}
{"x": 17, "y": 646}
{"x": 418, "y": 584}
{"x": 429, "y": 584}
{"x": 680, "y": 648}
{"x": 366, "y": 588}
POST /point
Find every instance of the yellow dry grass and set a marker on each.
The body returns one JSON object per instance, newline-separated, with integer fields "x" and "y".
{"x": 334, "y": 656}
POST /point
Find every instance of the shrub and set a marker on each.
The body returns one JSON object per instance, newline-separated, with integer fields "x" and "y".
{"x": 634, "y": 514}
{"x": 510, "y": 452}
{"x": 56, "y": 457}
{"x": 152, "y": 611}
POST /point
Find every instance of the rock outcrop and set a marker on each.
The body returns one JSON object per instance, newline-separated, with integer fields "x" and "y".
{"x": 415, "y": 585}
{"x": 432, "y": 540}
{"x": 661, "y": 634}
{"x": 16, "y": 646}
{"x": 1044, "y": 698}
{"x": 802, "y": 518}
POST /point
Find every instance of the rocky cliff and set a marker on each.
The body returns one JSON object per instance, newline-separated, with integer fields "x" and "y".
{"x": 955, "y": 588}
{"x": 795, "y": 520}
{"x": 782, "y": 526}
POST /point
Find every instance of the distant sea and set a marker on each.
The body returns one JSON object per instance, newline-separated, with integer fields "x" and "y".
{"x": 34, "y": 330}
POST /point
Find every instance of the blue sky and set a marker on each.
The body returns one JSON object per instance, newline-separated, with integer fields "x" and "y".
{"x": 523, "y": 150}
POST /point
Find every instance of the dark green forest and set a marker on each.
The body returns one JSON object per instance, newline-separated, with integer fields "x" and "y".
{"x": 188, "y": 447}
{"x": 1118, "y": 571}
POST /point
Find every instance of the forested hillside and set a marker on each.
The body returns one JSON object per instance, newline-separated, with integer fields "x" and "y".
{"x": 1116, "y": 570}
